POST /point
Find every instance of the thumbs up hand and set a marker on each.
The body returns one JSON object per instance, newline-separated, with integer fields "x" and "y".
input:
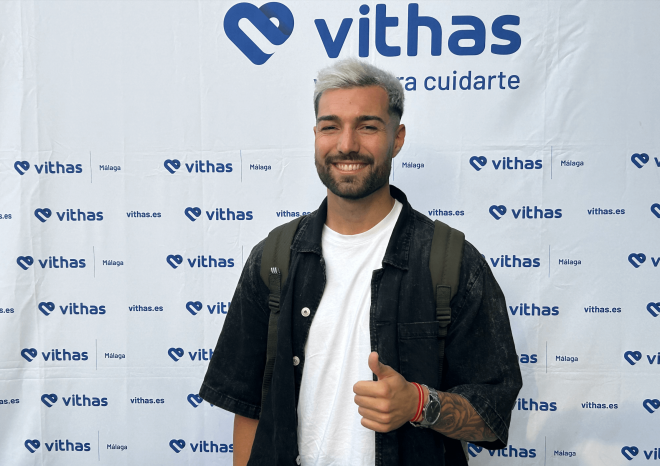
{"x": 387, "y": 404}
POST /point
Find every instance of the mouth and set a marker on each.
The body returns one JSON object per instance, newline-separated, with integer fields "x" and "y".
{"x": 349, "y": 167}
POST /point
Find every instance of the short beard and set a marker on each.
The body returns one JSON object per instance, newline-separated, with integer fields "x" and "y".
{"x": 348, "y": 186}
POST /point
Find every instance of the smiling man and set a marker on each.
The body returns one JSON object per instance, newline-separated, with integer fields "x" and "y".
{"x": 352, "y": 373}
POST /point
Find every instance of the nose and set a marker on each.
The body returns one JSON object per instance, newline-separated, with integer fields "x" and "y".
{"x": 348, "y": 141}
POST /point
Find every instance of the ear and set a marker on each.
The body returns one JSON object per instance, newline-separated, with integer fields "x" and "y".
{"x": 399, "y": 139}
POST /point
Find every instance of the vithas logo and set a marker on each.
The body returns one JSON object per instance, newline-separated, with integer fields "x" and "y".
{"x": 200, "y": 355}
{"x": 218, "y": 308}
{"x": 198, "y": 166}
{"x": 637, "y": 259}
{"x": 32, "y": 445}
{"x": 54, "y": 355}
{"x": 177, "y": 445}
{"x": 630, "y": 452}
{"x": 639, "y": 160}
{"x": 260, "y": 18}
{"x": 52, "y": 262}
{"x": 58, "y": 445}
{"x": 202, "y": 446}
{"x": 507, "y": 163}
{"x": 175, "y": 260}
{"x": 48, "y": 168}
{"x": 193, "y": 213}
{"x": 511, "y": 452}
{"x": 49, "y": 399}
{"x": 47, "y": 307}
{"x": 524, "y": 213}
{"x": 653, "y": 308}
{"x": 471, "y": 41}
{"x": 195, "y": 400}
{"x": 69, "y": 215}
{"x": 21, "y": 167}
{"x": 651, "y": 405}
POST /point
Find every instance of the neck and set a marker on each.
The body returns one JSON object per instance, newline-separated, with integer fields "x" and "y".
{"x": 355, "y": 216}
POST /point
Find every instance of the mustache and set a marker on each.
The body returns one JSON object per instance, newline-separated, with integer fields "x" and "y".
{"x": 351, "y": 157}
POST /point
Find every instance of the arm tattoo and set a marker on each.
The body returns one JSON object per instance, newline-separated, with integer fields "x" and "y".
{"x": 460, "y": 421}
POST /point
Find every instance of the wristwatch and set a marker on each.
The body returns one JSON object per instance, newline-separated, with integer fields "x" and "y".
{"x": 431, "y": 412}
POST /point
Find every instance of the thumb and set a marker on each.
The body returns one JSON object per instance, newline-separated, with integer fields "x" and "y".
{"x": 382, "y": 371}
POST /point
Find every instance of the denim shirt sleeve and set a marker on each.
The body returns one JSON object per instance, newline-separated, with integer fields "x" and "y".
{"x": 481, "y": 360}
{"x": 234, "y": 376}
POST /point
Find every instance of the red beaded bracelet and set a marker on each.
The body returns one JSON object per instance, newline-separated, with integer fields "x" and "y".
{"x": 420, "y": 403}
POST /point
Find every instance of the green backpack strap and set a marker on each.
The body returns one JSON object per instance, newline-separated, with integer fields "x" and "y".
{"x": 445, "y": 265}
{"x": 274, "y": 272}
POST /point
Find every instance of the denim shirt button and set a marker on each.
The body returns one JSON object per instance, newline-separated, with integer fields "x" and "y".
{"x": 296, "y": 360}
{"x": 305, "y": 312}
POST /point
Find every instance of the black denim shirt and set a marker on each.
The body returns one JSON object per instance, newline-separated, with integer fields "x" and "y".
{"x": 480, "y": 357}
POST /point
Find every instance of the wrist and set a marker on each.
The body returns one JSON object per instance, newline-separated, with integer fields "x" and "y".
{"x": 431, "y": 407}
{"x": 417, "y": 398}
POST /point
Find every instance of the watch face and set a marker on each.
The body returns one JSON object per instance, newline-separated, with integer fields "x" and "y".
{"x": 432, "y": 411}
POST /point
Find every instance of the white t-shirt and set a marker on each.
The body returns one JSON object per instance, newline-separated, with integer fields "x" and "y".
{"x": 337, "y": 349}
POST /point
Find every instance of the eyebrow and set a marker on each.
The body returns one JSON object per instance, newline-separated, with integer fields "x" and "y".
{"x": 358, "y": 120}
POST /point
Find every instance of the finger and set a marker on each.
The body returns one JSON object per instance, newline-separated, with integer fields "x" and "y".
{"x": 375, "y": 426}
{"x": 375, "y": 404}
{"x": 375, "y": 416}
{"x": 366, "y": 388}
{"x": 381, "y": 370}
{"x": 374, "y": 363}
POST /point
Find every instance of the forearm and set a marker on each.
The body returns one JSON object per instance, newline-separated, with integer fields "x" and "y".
{"x": 460, "y": 421}
{"x": 244, "y": 430}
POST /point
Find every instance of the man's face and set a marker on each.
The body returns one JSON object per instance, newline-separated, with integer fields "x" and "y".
{"x": 355, "y": 140}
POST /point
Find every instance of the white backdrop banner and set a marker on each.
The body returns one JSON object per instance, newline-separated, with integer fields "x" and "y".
{"x": 147, "y": 146}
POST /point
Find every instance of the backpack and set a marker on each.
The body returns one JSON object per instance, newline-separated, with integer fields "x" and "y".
{"x": 445, "y": 265}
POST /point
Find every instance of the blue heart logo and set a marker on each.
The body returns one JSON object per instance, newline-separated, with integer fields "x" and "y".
{"x": 260, "y": 18}
{"x": 177, "y": 445}
{"x": 637, "y": 259}
{"x": 497, "y": 211}
{"x": 655, "y": 209}
{"x": 639, "y": 159}
{"x": 174, "y": 260}
{"x": 195, "y": 400}
{"x": 46, "y": 307}
{"x": 49, "y": 399}
{"x": 633, "y": 357}
{"x": 22, "y": 167}
{"x": 653, "y": 308}
{"x": 24, "y": 262}
{"x": 651, "y": 405}
{"x": 43, "y": 214}
{"x": 32, "y": 445}
{"x": 29, "y": 354}
{"x": 474, "y": 450}
{"x": 193, "y": 213}
{"x": 172, "y": 165}
{"x": 478, "y": 162}
{"x": 175, "y": 353}
{"x": 194, "y": 307}
{"x": 629, "y": 452}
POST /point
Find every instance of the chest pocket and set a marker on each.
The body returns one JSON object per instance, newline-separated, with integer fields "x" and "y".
{"x": 419, "y": 352}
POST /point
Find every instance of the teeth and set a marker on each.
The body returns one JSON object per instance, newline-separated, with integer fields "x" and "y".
{"x": 347, "y": 167}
